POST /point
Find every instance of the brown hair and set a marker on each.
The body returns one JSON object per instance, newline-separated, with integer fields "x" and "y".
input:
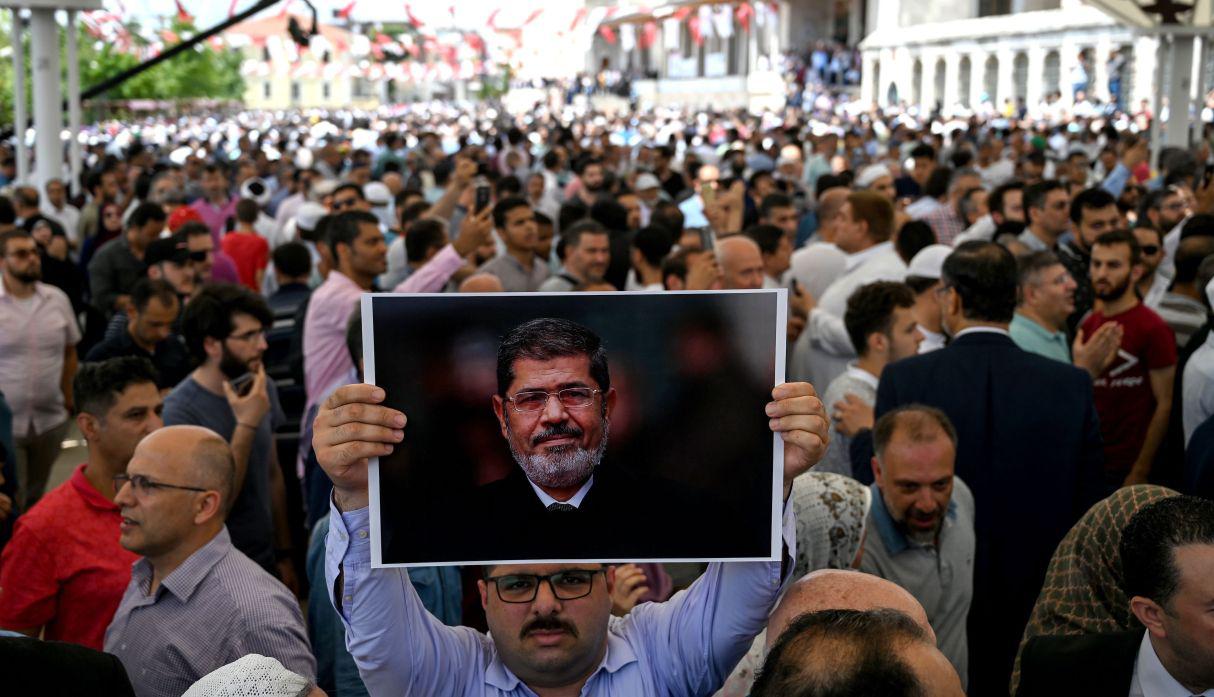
{"x": 874, "y": 209}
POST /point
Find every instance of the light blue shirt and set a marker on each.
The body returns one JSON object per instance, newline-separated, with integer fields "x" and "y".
{"x": 1034, "y": 338}
{"x": 685, "y": 646}
{"x": 1151, "y": 679}
{"x": 693, "y": 212}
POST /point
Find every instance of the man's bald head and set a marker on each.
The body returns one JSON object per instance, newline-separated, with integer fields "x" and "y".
{"x": 741, "y": 262}
{"x": 481, "y": 283}
{"x": 831, "y": 201}
{"x": 195, "y": 454}
{"x": 838, "y": 589}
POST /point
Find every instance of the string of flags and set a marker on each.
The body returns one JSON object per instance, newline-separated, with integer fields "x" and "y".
{"x": 703, "y": 22}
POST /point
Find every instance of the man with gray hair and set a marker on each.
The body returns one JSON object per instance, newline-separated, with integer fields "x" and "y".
{"x": 948, "y": 221}
{"x": 922, "y": 522}
{"x": 194, "y": 602}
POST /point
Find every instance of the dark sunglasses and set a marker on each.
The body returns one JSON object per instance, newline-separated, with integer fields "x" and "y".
{"x": 1150, "y": 249}
{"x": 199, "y": 255}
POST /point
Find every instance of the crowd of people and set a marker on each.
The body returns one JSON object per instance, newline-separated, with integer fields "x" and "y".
{"x": 998, "y": 416}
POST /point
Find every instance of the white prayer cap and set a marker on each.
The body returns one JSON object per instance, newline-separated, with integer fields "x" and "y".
{"x": 870, "y": 174}
{"x": 309, "y": 214}
{"x": 251, "y": 676}
{"x": 929, "y": 261}
{"x": 377, "y": 194}
{"x": 646, "y": 181}
{"x": 256, "y": 190}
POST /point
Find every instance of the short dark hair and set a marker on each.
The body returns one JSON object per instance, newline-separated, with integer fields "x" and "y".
{"x": 424, "y": 235}
{"x": 766, "y": 236}
{"x": 654, "y": 243}
{"x": 193, "y": 228}
{"x": 826, "y": 182}
{"x": 774, "y": 201}
{"x": 913, "y": 236}
{"x": 573, "y": 236}
{"x": 209, "y": 314}
{"x": 145, "y": 213}
{"x": 667, "y": 214}
{"x": 508, "y": 185}
{"x": 1150, "y": 539}
{"x": 350, "y": 186}
{"x": 1190, "y": 254}
{"x": 17, "y": 234}
{"x": 546, "y": 338}
{"x": 676, "y": 265}
{"x": 921, "y": 151}
{"x": 247, "y": 211}
{"x": 1033, "y": 263}
{"x": 98, "y": 385}
{"x": 504, "y": 206}
{"x": 570, "y": 213}
{"x": 870, "y": 310}
{"x": 412, "y": 212}
{"x": 1115, "y": 237}
{"x": 995, "y": 201}
{"x": 1200, "y": 225}
{"x": 343, "y": 228}
{"x": 864, "y": 661}
{"x": 919, "y": 421}
{"x": 1035, "y": 195}
{"x": 1091, "y": 199}
{"x": 984, "y": 275}
{"x": 937, "y": 182}
{"x": 8, "y": 214}
{"x": 292, "y": 259}
{"x": 147, "y": 288}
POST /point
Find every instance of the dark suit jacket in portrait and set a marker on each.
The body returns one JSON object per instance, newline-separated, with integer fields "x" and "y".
{"x": 58, "y": 669}
{"x": 1098, "y": 665}
{"x": 1029, "y": 447}
{"x": 623, "y": 516}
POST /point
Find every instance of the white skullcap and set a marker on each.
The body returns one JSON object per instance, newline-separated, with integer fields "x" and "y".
{"x": 870, "y": 174}
{"x": 645, "y": 181}
{"x": 309, "y": 214}
{"x": 251, "y": 676}
{"x": 817, "y": 266}
{"x": 377, "y": 194}
{"x": 929, "y": 261}
{"x": 255, "y": 190}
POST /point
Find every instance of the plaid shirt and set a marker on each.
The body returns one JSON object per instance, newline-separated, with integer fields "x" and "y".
{"x": 946, "y": 224}
{"x": 213, "y": 609}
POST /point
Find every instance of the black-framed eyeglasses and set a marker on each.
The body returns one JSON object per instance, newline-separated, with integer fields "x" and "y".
{"x": 1150, "y": 249}
{"x": 344, "y": 203}
{"x": 570, "y": 397}
{"x": 569, "y": 584}
{"x": 200, "y": 255}
{"x": 142, "y": 485}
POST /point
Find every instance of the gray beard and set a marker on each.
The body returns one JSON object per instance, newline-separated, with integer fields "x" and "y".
{"x": 562, "y": 468}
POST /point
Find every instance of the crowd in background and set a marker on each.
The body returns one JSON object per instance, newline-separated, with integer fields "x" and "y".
{"x": 1006, "y": 321}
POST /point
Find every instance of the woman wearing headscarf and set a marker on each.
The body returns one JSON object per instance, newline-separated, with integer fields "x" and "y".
{"x": 1082, "y": 591}
{"x": 831, "y": 511}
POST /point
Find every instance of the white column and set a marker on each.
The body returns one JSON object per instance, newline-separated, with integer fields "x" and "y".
{"x": 1179, "y": 91}
{"x": 1098, "y": 87}
{"x": 868, "y": 87}
{"x": 1035, "y": 87}
{"x": 977, "y": 77}
{"x": 888, "y": 74}
{"x": 20, "y": 118}
{"x": 73, "y": 103}
{"x": 1161, "y": 57}
{"x": 952, "y": 70}
{"x": 1006, "y": 76}
{"x": 1068, "y": 57}
{"x": 1144, "y": 71}
{"x": 48, "y": 96}
{"x": 927, "y": 85}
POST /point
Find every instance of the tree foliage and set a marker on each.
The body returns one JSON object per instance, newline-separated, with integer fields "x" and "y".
{"x": 199, "y": 73}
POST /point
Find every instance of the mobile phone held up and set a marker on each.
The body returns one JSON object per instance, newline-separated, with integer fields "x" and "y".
{"x": 484, "y": 194}
{"x": 243, "y": 384}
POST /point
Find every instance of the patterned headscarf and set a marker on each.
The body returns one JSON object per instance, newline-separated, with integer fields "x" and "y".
{"x": 1082, "y": 592}
{"x": 831, "y": 512}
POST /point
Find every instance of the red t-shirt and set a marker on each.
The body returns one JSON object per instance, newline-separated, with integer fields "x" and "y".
{"x": 64, "y": 567}
{"x": 1124, "y": 398}
{"x": 250, "y": 252}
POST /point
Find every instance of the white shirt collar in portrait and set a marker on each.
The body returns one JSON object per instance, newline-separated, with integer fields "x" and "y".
{"x": 575, "y": 500}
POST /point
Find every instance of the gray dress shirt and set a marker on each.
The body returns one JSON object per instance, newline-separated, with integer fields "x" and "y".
{"x": 514, "y": 278}
{"x": 213, "y": 609}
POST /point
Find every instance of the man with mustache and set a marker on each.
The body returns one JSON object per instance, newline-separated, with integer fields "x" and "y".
{"x": 550, "y": 625}
{"x": 1134, "y": 392}
{"x": 921, "y": 524}
{"x": 554, "y": 407}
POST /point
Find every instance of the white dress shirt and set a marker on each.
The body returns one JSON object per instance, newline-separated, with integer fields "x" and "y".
{"x": 1151, "y": 679}
{"x": 575, "y": 500}
{"x": 1197, "y": 391}
{"x": 830, "y": 346}
{"x": 932, "y": 341}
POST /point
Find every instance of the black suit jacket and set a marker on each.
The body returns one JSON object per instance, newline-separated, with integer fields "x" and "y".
{"x": 54, "y": 669}
{"x": 1066, "y": 666}
{"x": 623, "y": 516}
{"x": 1029, "y": 447}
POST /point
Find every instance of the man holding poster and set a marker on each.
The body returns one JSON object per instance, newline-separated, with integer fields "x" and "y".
{"x": 550, "y": 625}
